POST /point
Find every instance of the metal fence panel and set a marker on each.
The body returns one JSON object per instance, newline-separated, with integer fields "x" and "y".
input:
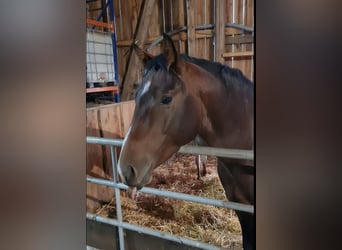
{"x": 221, "y": 152}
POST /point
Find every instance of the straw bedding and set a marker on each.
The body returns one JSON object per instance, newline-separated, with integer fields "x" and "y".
{"x": 213, "y": 225}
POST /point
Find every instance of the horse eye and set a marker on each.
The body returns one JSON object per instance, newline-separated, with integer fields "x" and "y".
{"x": 166, "y": 99}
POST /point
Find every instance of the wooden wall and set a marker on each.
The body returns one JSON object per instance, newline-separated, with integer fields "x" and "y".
{"x": 108, "y": 121}
{"x": 243, "y": 14}
{"x": 177, "y": 16}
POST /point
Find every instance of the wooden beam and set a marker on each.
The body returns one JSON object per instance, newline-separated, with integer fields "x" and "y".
{"x": 140, "y": 38}
{"x": 237, "y": 54}
{"x": 239, "y": 39}
{"x": 190, "y": 22}
{"x": 220, "y": 17}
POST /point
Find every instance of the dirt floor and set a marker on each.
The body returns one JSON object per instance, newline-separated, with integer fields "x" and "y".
{"x": 217, "y": 226}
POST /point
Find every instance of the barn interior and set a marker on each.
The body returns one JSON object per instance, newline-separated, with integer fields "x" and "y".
{"x": 216, "y": 30}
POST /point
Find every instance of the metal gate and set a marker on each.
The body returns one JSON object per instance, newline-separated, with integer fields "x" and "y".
{"x": 220, "y": 152}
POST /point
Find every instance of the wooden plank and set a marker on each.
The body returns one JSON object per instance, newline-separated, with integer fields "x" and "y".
{"x": 179, "y": 14}
{"x": 133, "y": 62}
{"x": 239, "y": 39}
{"x": 190, "y": 22}
{"x": 126, "y": 114}
{"x": 238, "y": 54}
{"x": 95, "y": 155}
{"x": 110, "y": 124}
{"x": 219, "y": 30}
{"x": 109, "y": 121}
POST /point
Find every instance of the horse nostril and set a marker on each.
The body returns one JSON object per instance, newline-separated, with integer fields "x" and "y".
{"x": 129, "y": 173}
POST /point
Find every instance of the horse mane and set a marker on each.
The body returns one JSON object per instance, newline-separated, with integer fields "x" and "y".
{"x": 232, "y": 78}
{"x": 229, "y": 76}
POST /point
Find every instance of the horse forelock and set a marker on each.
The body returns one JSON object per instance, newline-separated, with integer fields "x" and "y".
{"x": 157, "y": 75}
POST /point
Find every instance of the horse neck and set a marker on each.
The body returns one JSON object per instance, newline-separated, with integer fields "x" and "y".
{"x": 225, "y": 111}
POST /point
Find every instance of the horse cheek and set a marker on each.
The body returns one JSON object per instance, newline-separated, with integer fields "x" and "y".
{"x": 192, "y": 116}
{"x": 188, "y": 122}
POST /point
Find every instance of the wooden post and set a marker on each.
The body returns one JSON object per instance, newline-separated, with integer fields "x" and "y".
{"x": 220, "y": 18}
{"x": 190, "y": 22}
{"x": 140, "y": 37}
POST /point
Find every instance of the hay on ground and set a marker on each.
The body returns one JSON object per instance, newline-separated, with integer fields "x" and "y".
{"x": 213, "y": 225}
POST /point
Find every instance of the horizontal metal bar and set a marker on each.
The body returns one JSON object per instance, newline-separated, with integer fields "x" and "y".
{"x": 160, "y": 38}
{"x": 99, "y": 53}
{"x": 240, "y": 27}
{"x": 231, "y": 25}
{"x": 96, "y": 42}
{"x": 105, "y": 182}
{"x": 204, "y": 27}
{"x": 220, "y": 152}
{"x": 151, "y": 232}
{"x": 104, "y": 141}
{"x": 102, "y": 89}
{"x": 179, "y": 196}
{"x": 97, "y": 23}
{"x": 200, "y": 27}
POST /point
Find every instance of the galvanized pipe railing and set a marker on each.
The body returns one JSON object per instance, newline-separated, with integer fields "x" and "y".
{"x": 179, "y": 196}
{"x": 145, "y": 230}
{"x": 200, "y": 27}
{"x": 187, "y": 149}
{"x": 232, "y": 153}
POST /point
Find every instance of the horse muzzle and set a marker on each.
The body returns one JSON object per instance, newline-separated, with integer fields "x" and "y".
{"x": 134, "y": 178}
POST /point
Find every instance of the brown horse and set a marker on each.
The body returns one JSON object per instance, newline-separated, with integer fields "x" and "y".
{"x": 181, "y": 98}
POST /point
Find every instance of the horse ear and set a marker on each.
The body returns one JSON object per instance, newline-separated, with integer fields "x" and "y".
{"x": 170, "y": 51}
{"x": 143, "y": 55}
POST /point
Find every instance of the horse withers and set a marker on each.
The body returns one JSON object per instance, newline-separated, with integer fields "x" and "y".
{"x": 181, "y": 98}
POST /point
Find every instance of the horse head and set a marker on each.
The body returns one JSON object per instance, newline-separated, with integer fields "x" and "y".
{"x": 166, "y": 116}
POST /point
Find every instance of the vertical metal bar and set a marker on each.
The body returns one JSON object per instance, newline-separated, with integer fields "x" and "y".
{"x": 88, "y": 67}
{"x": 101, "y": 14}
{"x": 233, "y": 21}
{"x": 171, "y": 15}
{"x": 214, "y": 37}
{"x": 163, "y": 13}
{"x": 117, "y": 197}
{"x": 205, "y": 22}
{"x": 95, "y": 62}
{"x": 243, "y": 12}
{"x": 116, "y": 70}
{"x": 187, "y": 25}
{"x": 195, "y": 21}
